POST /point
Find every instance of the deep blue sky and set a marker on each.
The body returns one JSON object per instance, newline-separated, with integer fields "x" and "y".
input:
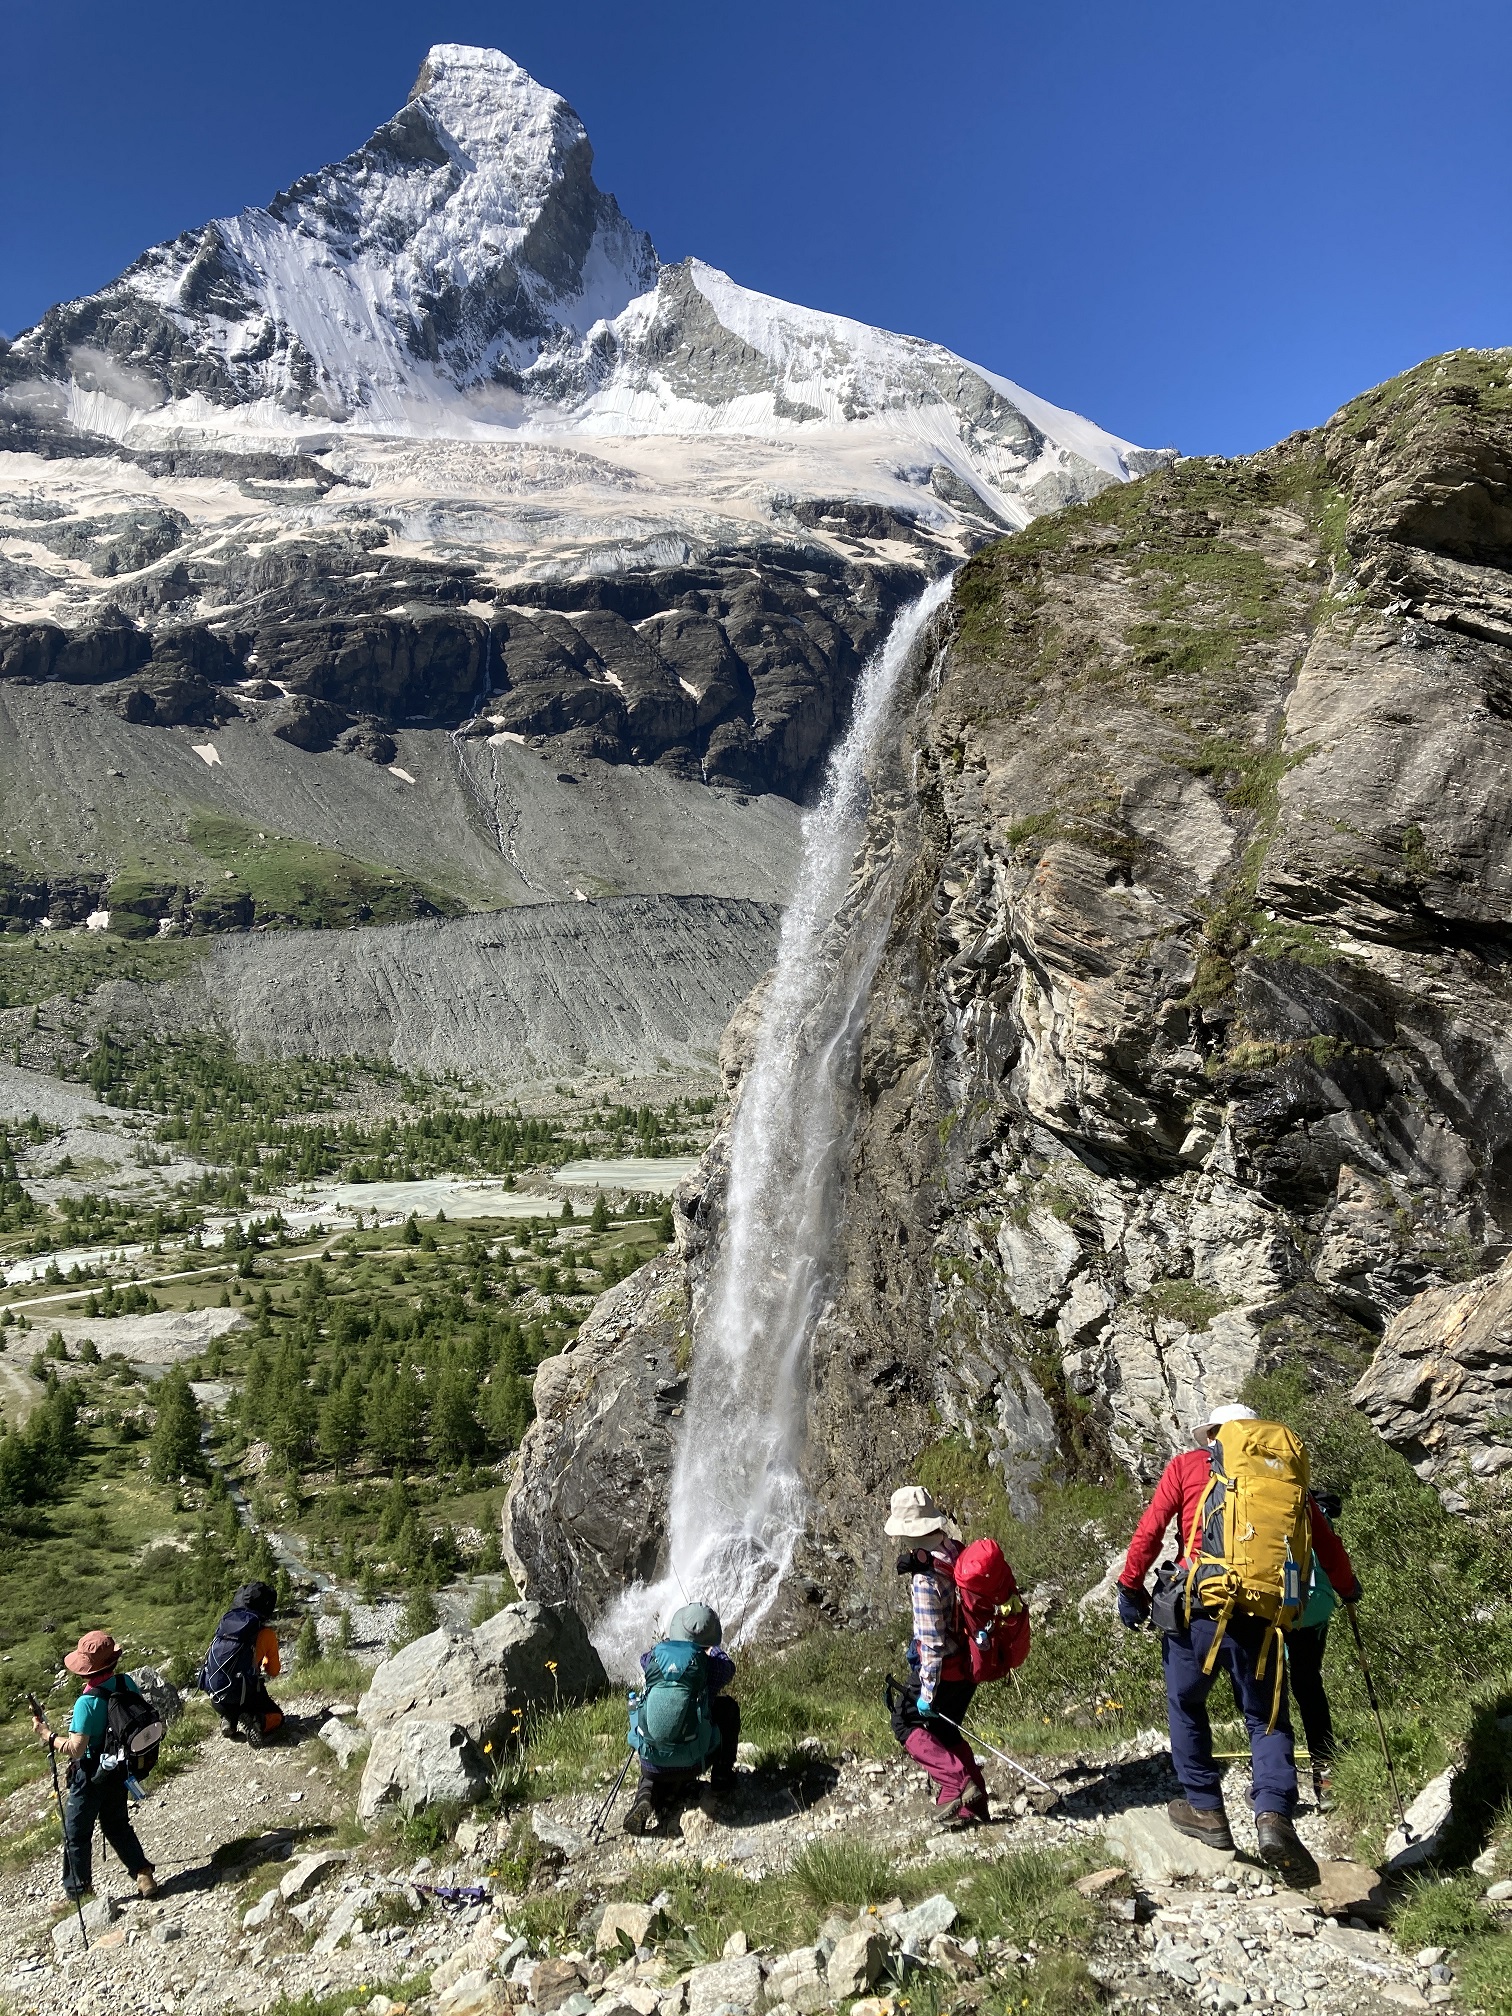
{"x": 1198, "y": 224}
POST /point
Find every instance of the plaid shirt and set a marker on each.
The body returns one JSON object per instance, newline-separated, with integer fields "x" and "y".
{"x": 936, "y": 1637}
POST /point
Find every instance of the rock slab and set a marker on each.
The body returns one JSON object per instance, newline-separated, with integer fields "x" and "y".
{"x": 1156, "y": 1852}
{"x": 420, "y": 1762}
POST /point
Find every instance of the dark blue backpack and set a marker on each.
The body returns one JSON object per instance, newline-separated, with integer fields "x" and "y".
{"x": 229, "y": 1674}
{"x": 670, "y": 1724}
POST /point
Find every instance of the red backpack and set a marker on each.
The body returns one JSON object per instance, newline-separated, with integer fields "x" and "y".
{"x": 994, "y": 1622}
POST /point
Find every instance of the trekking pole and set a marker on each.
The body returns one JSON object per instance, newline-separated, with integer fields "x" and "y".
{"x": 1370, "y": 1694}
{"x": 1002, "y": 1755}
{"x": 602, "y": 1815}
{"x": 52, "y": 1758}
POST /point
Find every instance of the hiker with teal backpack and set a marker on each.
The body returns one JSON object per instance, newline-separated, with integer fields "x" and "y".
{"x": 113, "y": 1738}
{"x": 682, "y": 1722}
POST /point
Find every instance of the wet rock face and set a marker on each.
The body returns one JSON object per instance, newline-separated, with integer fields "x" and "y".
{"x": 586, "y": 1514}
{"x": 1440, "y": 1386}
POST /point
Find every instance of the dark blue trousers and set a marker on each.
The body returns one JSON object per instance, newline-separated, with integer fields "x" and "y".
{"x": 103, "y": 1798}
{"x": 1273, "y": 1766}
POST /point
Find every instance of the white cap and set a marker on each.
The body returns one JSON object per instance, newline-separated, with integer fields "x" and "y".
{"x": 1220, "y": 1415}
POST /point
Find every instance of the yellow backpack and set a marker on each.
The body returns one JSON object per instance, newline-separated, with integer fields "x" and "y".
{"x": 1250, "y": 1546}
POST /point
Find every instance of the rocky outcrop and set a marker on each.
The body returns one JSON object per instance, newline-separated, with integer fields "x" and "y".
{"x": 418, "y": 1763}
{"x": 585, "y": 1515}
{"x": 1440, "y": 1386}
{"x": 442, "y": 1703}
{"x": 1189, "y": 1053}
{"x": 530, "y": 1655}
{"x": 731, "y": 674}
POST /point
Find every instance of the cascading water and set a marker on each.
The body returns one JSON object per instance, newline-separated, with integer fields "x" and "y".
{"x": 737, "y": 1508}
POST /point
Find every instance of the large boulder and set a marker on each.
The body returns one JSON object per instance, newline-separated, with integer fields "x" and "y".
{"x": 529, "y": 1655}
{"x": 585, "y": 1516}
{"x": 1440, "y": 1386}
{"x": 419, "y": 1762}
{"x": 161, "y": 1692}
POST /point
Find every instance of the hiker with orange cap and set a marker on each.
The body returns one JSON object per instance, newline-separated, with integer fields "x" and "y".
{"x": 968, "y": 1627}
{"x": 1247, "y": 1529}
{"x": 97, "y": 1788}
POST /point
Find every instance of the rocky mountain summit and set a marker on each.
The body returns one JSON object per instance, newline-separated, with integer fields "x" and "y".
{"x": 1188, "y": 1056}
{"x": 433, "y": 443}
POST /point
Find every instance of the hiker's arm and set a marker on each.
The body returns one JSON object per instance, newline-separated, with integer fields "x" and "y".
{"x": 929, "y": 1622}
{"x": 65, "y": 1746}
{"x": 1333, "y": 1555}
{"x": 1150, "y": 1531}
{"x": 721, "y": 1668}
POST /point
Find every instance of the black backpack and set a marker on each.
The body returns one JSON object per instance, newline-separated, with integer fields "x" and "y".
{"x": 133, "y": 1733}
{"x": 228, "y": 1673}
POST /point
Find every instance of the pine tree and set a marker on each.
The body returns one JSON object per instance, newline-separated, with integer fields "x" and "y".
{"x": 176, "y": 1437}
{"x": 600, "y": 1219}
{"x": 455, "y": 1433}
{"x": 307, "y": 1644}
{"x": 418, "y": 1617}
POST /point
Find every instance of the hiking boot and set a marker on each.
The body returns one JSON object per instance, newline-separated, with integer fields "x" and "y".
{"x": 228, "y": 1728}
{"x": 254, "y": 1734}
{"x": 146, "y": 1883}
{"x": 1322, "y": 1778}
{"x": 1282, "y": 1848}
{"x": 1203, "y": 1823}
{"x": 961, "y": 1815}
{"x": 642, "y": 1813}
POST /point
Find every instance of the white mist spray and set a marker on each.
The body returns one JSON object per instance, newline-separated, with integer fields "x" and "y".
{"x": 737, "y": 1503}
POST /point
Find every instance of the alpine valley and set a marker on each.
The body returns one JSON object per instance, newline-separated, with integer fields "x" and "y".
{"x": 631, "y": 915}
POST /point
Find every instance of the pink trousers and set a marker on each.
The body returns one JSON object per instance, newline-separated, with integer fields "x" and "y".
{"x": 948, "y": 1760}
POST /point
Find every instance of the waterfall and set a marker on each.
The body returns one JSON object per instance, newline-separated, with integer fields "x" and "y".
{"x": 737, "y": 1500}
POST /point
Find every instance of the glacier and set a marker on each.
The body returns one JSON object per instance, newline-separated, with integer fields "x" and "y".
{"x": 461, "y": 277}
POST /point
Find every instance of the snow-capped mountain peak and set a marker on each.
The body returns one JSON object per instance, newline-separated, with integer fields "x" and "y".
{"x": 461, "y": 276}
{"x": 462, "y": 238}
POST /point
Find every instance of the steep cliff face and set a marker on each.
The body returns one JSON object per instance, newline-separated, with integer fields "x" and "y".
{"x": 1190, "y": 1051}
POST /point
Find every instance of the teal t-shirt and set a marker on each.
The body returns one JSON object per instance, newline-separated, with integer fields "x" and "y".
{"x": 1321, "y": 1600}
{"x": 92, "y": 1710}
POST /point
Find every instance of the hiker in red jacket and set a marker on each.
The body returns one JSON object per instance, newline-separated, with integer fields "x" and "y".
{"x": 1184, "y": 1648}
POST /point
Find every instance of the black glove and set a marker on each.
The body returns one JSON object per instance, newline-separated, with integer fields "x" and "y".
{"x": 1133, "y": 1607}
{"x": 1350, "y": 1596}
